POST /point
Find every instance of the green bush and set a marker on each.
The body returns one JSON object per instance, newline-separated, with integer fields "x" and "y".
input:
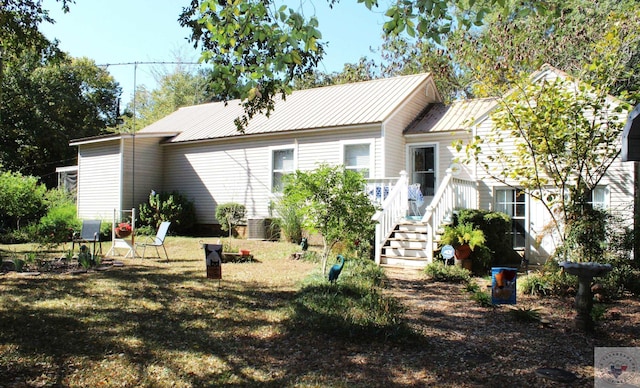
{"x": 22, "y": 200}
{"x": 173, "y": 207}
{"x": 496, "y": 227}
{"x": 551, "y": 281}
{"x": 230, "y": 215}
{"x": 58, "y": 224}
{"x": 440, "y": 272}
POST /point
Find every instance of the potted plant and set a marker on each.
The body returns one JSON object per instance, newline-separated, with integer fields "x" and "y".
{"x": 464, "y": 238}
{"x": 123, "y": 230}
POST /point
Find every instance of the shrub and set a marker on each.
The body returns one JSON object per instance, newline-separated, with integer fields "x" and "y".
{"x": 229, "y": 215}
{"x": 173, "y": 207}
{"x": 289, "y": 220}
{"x": 22, "y": 199}
{"x": 440, "y": 272}
{"x": 483, "y": 298}
{"x": 496, "y": 227}
{"x": 551, "y": 281}
{"x": 58, "y": 224}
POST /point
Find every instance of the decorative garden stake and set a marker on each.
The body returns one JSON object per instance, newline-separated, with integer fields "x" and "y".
{"x": 584, "y": 298}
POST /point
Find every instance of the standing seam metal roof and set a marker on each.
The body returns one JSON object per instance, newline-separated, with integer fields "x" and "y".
{"x": 325, "y": 107}
{"x": 459, "y": 115}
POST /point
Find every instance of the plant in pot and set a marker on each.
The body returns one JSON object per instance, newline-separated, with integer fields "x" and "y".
{"x": 123, "y": 230}
{"x": 464, "y": 239}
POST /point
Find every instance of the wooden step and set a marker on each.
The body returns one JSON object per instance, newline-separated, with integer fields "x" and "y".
{"x": 405, "y": 262}
{"x": 407, "y": 244}
{"x": 416, "y": 228}
{"x": 405, "y": 252}
{"x": 410, "y": 236}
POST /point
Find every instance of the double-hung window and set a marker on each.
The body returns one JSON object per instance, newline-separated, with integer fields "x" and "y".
{"x": 599, "y": 198}
{"x": 282, "y": 165}
{"x": 513, "y": 203}
{"x": 357, "y": 157}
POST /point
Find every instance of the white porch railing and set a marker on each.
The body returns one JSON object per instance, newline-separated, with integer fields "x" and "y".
{"x": 394, "y": 206}
{"x": 392, "y": 195}
{"x": 453, "y": 193}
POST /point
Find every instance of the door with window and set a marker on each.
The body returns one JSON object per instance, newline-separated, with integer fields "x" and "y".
{"x": 423, "y": 167}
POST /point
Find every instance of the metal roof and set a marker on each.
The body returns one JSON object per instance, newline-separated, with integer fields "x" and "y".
{"x": 456, "y": 116}
{"x": 325, "y": 107}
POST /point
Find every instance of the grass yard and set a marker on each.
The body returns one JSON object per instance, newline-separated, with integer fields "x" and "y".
{"x": 152, "y": 323}
{"x": 276, "y": 323}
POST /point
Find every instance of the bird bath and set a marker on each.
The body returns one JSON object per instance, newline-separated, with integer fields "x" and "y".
{"x": 584, "y": 298}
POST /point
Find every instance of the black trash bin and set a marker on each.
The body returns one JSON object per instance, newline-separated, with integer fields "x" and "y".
{"x": 213, "y": 258}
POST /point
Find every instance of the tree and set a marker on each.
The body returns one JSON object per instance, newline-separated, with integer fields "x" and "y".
{"x": 333, "y": 203}
{"x": 47, "y": 102}
{"x": 507, "y": 47}
{"x": 176, "y": 88}
{"x": 21, "y": 198}
{"x": 19, "y": 21}
{"x": 258, "y": 49}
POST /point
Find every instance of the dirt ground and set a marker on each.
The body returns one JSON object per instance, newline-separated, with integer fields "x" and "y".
{"x": 475, "y": 346}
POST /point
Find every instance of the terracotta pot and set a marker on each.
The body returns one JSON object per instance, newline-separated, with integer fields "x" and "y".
{"x": 245, "y": 252}
{"x": 463, "y": 252}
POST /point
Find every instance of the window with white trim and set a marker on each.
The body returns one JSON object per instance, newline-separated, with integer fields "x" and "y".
{"x": 599, "y": 198}
{"x": 282, "y": 165}
{"x": 357, "y": 158}
{"x": 513, "y": 203}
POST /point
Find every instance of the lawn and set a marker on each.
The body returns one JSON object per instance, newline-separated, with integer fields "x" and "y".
{"x": 275, "y": 323}
{"x": 152, "y": 323}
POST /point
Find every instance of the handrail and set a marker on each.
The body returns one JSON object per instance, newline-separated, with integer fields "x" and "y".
{"x": 453, "y": 193}
{"x": 394, "y": 207}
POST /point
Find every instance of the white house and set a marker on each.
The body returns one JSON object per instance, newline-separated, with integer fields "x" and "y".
{"x": 381, "y": 128}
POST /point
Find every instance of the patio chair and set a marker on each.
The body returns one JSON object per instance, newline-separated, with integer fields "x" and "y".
{"x": 157, "y": 241}
{"x": 90, "y": 233}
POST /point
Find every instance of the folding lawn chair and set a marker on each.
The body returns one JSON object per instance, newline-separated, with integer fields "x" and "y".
{"x": 157, "y": 241}
{"x": 90, "y": 233}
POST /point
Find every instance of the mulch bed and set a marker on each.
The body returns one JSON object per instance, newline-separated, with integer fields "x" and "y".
{"x": 471, "y": 345}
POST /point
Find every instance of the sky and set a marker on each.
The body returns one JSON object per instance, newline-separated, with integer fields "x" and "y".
{"x": 119, "y": 33}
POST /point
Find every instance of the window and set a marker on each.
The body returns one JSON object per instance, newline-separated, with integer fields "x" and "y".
{"x": 282, "y": 165}
{"x": 599, "y": 198}
{"x": 357, "y": 158}
{"x": 513, "y": 203}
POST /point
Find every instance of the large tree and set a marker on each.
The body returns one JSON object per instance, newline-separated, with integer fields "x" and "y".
{"x": 557, "y": 139}
{"x": 48, "y": 101}
{"x": 487, "y": 60}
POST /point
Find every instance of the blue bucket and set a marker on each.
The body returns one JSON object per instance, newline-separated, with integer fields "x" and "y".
{"x": 503, "y": 285}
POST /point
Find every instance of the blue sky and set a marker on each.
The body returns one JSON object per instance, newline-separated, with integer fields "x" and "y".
{"x": 127, "y": 31}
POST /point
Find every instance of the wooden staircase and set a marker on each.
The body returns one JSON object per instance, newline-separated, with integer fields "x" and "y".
{"x": 407, "y": 246}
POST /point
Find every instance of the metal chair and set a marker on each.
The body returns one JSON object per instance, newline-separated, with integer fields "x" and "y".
{"x": 90, "y": 233}
{"x": 157, "y": 241}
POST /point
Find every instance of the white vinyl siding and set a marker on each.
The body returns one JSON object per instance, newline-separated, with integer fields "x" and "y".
{"x": 393, "y": 157}
{"x": 99, "y": 172}
{"x": 217, "y": 172}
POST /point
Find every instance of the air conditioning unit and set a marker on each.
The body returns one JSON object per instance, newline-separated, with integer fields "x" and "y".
{"x": 256, "y": 229}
